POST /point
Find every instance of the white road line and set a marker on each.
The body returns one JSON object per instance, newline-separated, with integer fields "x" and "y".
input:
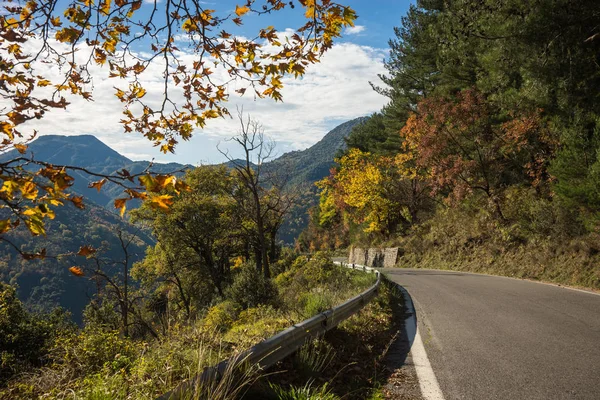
{"x": 430, "y": 389}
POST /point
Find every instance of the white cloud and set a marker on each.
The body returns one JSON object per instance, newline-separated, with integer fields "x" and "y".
{"x": 354, "y": 30}
{"x": 331, "y": 92}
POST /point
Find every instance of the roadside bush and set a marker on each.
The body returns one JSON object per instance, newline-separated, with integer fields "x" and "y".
{"x": 315, "y": 302}
{"x": 251, "y": 289}
{"x": 307, "y": 392}
{"x": 313, "y": 359}
{"x": 220, "y": 317}
{"x": 256, "y": 324}
{"x": 285, "y": 262}
{"x": 94, "y": 348}
{"x": 25, "y": 338}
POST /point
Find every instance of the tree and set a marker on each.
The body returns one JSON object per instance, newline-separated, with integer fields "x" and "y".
{"x": 465, "y": 149}
{"x": 113, "y": 282}
{"x": 377, "y": 192}
{"x": 129, "y": 37}
{"x": 25, "y": 338}
{"x": 261, "y": 197}
{"x": 201, "y": 229}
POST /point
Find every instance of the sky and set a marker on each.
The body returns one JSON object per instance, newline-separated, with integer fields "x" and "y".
{"x": 331, "y": 92}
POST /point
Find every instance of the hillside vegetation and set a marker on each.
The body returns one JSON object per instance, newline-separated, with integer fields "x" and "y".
{"x": 47, "y": 283}
{"x": 51, "y": 358}
{"x": 486, "y": 156}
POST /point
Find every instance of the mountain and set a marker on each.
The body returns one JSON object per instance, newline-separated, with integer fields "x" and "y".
{"x": 305, "y": 168}
{"x": 302, "y": 168}
{"x": 87, "y": 151}
{"x": 48, "y": 282}
{"x": 314, "y": 163}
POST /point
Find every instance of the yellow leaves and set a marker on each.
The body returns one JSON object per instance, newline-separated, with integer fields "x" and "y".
{"x": 349, "y": 16}
{"x": 241, "y": 10}
{"x": 158, "y": 183}
{"x": 310, "y": 9}
{"x": 14, "y": 49}
{"x": 110, "y": 45}
{"x": 35, "y": 224}
{"x": 29, "y": 190}
{"x": 120, "y": 95}
{"x": 56, "y": 22}
{"x": 98, "y": 184}
{"x": 5, "y": 226}
{"x": 9, "y": 187}
{"x": 162, "y": 202}
{"x": 138, "y": 92}
{"x": 7, "y": 129}
{"x": 210, "y": 114}
{"x": 189, "y": 26}
{"x": 58, "y": 176}
{"x": 273, "y": 91}
{"x": 77, "y": 271}
{"x": 43, "y": 83}
{"x": 105, "y": 7}
{"x": 67, "y": 35}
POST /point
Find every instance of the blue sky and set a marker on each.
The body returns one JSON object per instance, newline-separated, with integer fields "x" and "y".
{"x": 331, "y": 92}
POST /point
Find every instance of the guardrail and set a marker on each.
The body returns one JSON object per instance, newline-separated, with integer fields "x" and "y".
{"x": 276, "y": 348}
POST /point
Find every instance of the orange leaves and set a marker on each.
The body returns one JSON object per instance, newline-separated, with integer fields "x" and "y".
{"x": 98, "y": 184}
{"x": 155, "y": 186}
{"x": 56, "y": 22}
{"x": 107, "y": 28}
{"x": 77, "y": 201}
{"x": 77, "y": 271}
{"x": 121, "y": 205}
{"x": 86, "y": 251}
{"x": 464, "y": 149}
{"x": 99, "y": 56}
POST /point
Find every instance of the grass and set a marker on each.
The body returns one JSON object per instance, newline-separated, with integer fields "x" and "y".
{"x": 472, "y": 241}
{"x": 95, "y": 363}
{"x": 354, "y": 352}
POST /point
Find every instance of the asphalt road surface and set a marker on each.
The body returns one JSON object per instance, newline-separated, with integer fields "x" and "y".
{"x": 499, "y": 338}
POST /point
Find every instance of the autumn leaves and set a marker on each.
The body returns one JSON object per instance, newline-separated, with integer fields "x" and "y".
{"x": 128, "y": 37}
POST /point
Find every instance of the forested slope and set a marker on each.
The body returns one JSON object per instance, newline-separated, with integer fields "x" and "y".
{"x": 486, "y": 156}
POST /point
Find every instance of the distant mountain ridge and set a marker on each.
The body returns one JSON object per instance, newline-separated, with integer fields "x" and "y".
{"x": 89, "y": 152}
{"x": 47, "y": 283}
{"x": 86, "y": 151}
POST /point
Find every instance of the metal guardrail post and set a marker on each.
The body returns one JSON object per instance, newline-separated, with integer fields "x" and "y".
{"x": 276, "y": 348}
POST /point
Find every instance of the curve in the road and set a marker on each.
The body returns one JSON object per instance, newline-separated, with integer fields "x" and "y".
{"x": 490, "y": 337}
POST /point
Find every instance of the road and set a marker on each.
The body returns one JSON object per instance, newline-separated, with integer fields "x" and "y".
{"x": 490, "y": 337}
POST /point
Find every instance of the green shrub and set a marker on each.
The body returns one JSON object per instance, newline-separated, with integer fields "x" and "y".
{"x": 94, "y": 348}
{"x": 313, "y": 359}
{"x": 220, "y": 317}
{"x": 256, "y": 324}
{"x": 285, "y": 262}
{"x": 315, "y": 302}
{"x": 307, "y": 392}
{"x": 25, "y": 338}
{"x": 251, "y": 289}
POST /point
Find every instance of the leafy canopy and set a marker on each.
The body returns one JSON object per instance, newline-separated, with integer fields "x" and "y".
{"x": 129, "y": 38}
